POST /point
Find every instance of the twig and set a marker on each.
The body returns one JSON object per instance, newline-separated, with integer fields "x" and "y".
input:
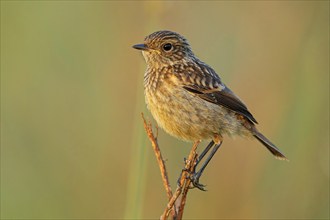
{"x": 160, "y": 160}
{"x": 184, "y": 184}
{"x": 188, "y": 181}
{"x": 184, "y": 180}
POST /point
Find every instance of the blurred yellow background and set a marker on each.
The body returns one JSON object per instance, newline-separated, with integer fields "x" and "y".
{"x": 72, "y": 138}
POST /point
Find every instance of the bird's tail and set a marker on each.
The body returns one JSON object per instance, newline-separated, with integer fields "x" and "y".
{"x": 270, "y": 146}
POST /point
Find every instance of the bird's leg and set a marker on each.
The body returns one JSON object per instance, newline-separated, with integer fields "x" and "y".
{"x": 195, "y": 177}
{"x": 201, "y": 156}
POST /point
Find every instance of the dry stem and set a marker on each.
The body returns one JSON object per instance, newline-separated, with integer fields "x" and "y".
{"x": 184, "y": 182}
{"x": 160, "y": 160}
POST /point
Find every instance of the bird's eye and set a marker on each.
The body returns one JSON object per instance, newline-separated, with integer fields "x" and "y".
{"x": 167, "y": 47}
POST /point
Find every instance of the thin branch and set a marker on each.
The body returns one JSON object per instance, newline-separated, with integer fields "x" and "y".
{"x": 187, "y": 183}
{"x": 184, "y": 184}
{"x": 160, "y": 160}
{"x": 184, "y": 180}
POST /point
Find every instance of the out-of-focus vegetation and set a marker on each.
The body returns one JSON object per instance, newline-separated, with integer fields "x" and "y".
{"x": 72, "y": 140}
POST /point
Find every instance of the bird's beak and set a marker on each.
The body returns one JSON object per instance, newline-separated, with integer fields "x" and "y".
{"x": 140, "y": 47}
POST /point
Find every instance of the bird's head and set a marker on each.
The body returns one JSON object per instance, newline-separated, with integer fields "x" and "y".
{"x": 164, "y": 48}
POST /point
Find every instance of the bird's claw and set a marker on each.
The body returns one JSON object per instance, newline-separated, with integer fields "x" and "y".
{"x": 193, "y": 176}
{"x": 195, "y": 182}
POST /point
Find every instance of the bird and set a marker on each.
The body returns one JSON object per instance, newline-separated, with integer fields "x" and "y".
{"x": 189, "y": 100}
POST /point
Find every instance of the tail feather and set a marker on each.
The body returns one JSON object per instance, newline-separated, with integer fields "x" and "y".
{"x": 270, "y": 146}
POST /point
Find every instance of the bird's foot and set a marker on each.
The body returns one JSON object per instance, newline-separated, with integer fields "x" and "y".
{"x": 195, "y": 181}
{"x": 193, "y": 177}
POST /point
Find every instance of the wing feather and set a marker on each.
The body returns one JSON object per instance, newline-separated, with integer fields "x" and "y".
{"x": 207, "y": 85}
{"x": 223, "y": 97}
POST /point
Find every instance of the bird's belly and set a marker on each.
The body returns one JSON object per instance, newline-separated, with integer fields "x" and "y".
{"x": 188, "y": 117}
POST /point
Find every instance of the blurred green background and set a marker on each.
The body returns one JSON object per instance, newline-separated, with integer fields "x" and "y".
{"x": 72, "y": 138}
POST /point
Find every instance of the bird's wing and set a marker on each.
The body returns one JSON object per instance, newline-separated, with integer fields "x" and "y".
{"x": 216, "y": 92}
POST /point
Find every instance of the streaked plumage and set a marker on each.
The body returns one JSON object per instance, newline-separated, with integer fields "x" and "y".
{"x": 187, "y": 97}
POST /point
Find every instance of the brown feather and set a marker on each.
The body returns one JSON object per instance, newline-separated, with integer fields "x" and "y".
{"x": 224, "y": 97}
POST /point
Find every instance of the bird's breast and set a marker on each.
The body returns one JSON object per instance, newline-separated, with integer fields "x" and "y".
{"x": 184, "y": 114}
{"x": 177, "y": 111}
